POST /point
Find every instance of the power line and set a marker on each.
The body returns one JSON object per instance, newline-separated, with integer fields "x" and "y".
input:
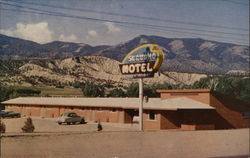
{"x": 145, "y": 28}
{"x": 133, "y": 16}
{"x": 130, "y": 23}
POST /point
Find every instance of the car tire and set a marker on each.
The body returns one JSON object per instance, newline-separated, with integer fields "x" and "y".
{"x": 59, "y": 123}
{"x": 68, "y": 123}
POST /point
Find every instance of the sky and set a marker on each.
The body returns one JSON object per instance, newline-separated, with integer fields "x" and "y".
{"x": 110, "y": 22}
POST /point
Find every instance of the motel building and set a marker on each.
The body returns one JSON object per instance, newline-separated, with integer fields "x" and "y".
{"x": 196, "y": 109}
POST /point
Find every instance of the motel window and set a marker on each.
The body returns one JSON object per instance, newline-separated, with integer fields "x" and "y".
{"x": 82, "y": 108}
{"x": 152, "y": 115}
{"x": 113, "y": 109}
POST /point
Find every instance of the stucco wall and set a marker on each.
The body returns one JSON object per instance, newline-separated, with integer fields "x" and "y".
{"x": 151, "y": 124}
{"x": 169, "y": 120}
{"x": 201, "y": 97}
{"x": 231, "y": 110}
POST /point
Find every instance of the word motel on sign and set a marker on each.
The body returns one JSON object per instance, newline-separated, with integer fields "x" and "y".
{"x": 137, "y": 68}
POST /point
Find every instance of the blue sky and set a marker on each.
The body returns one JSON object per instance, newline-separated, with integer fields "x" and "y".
{"x": 110, "y": 22}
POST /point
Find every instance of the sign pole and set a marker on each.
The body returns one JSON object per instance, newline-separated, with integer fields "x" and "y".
{"x": 141, "y": 104}
{"x": 142, "y": 62}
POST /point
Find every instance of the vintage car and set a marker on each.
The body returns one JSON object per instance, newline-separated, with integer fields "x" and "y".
{"x": 9, "y": 114}
{"x": 70, "y": 118}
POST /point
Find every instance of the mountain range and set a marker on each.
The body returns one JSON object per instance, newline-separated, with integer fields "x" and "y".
{"x": 192, "y": 55}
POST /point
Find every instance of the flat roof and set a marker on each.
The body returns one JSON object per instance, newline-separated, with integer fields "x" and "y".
{"x": 125, "y": 103}
{"x": 184, "y": 91}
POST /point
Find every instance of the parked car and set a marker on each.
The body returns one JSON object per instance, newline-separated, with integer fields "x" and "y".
{"x": 10, "y": 114}
{"x": 70, "y": 117}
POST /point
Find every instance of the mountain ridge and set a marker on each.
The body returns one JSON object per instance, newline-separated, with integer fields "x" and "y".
{"x": 66, "y": 72}
{"x": 192, "y": 55}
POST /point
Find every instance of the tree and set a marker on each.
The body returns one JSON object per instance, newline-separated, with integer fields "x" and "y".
{"x": 117, "y": 92}
{"x": 99, "y": 126}
{"x": 28, "y": 126}
{"x": 133, "y": 90}
{"x": 92, "y": 90}
{"x": 2, "y": 127}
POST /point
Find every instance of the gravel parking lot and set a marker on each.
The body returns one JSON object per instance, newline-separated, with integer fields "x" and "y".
{"x": 118, "y": 141}
{"x": 13, "y": 126}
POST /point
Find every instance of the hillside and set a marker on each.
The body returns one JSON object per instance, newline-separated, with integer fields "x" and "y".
{"x": 181, "y": 55}
{"x": 102, "y": 70}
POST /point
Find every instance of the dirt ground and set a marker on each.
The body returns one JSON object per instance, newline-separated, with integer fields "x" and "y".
{"x": 118, "y": 141}
{"x": 13, "y": 126}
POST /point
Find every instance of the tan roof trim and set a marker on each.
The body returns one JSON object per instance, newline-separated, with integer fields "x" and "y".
{"x": 184, "y": 91}
{"x": 123, "y": 103}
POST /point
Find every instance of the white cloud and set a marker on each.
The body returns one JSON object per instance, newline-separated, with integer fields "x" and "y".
{"x": 70, "y": 38}
{"x": 111, "y": 27}
{"x": 92, "y": 33}
{"x": 38, "y": 32}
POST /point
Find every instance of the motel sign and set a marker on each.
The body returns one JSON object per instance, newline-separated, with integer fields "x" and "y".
{"x": 142, "y": 61}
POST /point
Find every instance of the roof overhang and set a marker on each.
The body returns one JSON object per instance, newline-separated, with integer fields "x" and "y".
{"x": 124, "y": 103}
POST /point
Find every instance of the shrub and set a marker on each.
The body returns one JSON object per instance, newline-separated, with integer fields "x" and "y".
{"x": 2, "y": 127}
{"x": 99, "y": 127}
{"x": 28, "y": 126}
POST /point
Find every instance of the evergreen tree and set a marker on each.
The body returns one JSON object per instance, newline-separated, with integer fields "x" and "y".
{"x": 28, "y": 126}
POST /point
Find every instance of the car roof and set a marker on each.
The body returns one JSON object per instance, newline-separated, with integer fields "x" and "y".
{"x": 69, "y": 113}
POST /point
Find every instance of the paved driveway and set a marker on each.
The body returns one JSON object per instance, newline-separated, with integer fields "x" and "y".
{"x": 119, "y": 141}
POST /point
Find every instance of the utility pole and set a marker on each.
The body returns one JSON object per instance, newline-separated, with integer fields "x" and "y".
{"x": 141, "y": 104}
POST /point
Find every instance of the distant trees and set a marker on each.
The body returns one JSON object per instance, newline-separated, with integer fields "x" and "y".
{"x": 132, "y": 90}
{"x": 231, "y": 86}
{"x": 28, "y": 91}
{"x": 7, "y": 92}
{"x": 117, "y": 92}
